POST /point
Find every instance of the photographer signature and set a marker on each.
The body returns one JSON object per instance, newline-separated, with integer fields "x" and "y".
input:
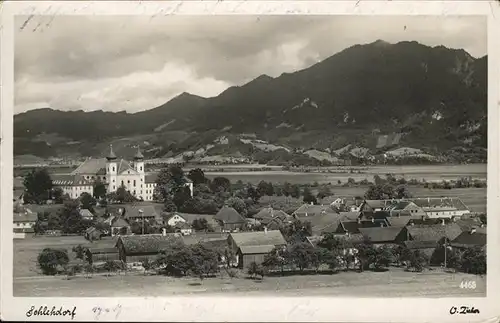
{"x": 463, "y": 310}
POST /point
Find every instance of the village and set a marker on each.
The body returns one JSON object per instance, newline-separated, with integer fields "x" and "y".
{"x": 185, "y": 225}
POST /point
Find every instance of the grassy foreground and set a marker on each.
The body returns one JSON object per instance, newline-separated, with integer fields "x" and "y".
{"x": 393, "y": 283}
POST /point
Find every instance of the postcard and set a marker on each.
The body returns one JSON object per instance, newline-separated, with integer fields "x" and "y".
{"x": 236, "y": 161}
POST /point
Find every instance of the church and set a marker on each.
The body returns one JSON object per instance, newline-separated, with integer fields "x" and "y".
{"x": 113, "y": 172}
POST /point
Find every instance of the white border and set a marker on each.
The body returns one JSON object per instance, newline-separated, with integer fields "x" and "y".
{"x": 265, "y": 309}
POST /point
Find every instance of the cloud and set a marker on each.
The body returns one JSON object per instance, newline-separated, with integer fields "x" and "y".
{"x": 137, "y": 62}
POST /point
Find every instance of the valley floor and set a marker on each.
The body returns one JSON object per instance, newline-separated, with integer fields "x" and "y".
{"x": 393, "y": 283}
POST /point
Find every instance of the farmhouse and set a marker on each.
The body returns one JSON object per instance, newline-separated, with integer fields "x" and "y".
{"x": 446, "y": 207}
{"x": 92, "y": 234}
{"x": 435, "y": 233}
{"x": 113, "y": 172}
{"x": 475, "y": 237}
{"x": 135, "y": 248}
{"x": 254, "y": 246}
{"x": 426, "y": 247}
{"x": 404, "y": 208}
{"x": 385, "y": 235}
{"x": 141, "y": 212}
{"x": 184, "y": 228}
{"x": 23, "y": 221}
{"x": 119, "y": 226}
{"x": 268, "y": 215}
{"x": 229, "y": 219}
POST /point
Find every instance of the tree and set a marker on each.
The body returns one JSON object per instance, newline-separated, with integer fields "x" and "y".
{"x": 366, "y": 252}
{"x": 302, "y": 255}
{"x": 295, "y": 191}
{"x": 278, "y": 258}
{"x": 80, "y": 252}
{"x": 308, "y": 197}
{"x": 169, "y": 205}
{"x": 382, "y": 257}
{"x": 297, "y": 231}
{"x": 220, "y": 184}
{"x": 38, "y": 185}
{"x": 203, "y": 261}
{"x": 253, "y": 269}
{"x": 51, "y": 260}
{"x": 253, "y": 193}
{"x": 70, "y": 219}
{"x": 169, "y": 181}
{"x": 200, "y": 224}
{"x": 323, "y": 192}
{"x": 99, "y": 189}
{"x": 401, "y": 254}
{"x": 402, "y": 192}
{"x": 338, "y": 249}
{"x": 87, "y": 201}
{"x": 418, "y": 260}
{"x": 147, "y": 265}
{"x": 380, "y": 192}
{"x": 181, "y": 196}
{"x": 265, "y": 188}
{"x": 57, "y": 195}
{"x": 197, "y": 176}
{"x": 238, "y": 204}
{"x": 123, "y": 196}
{"x": 474, "y": 261}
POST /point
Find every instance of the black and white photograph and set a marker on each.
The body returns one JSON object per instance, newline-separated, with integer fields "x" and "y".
{"x": 250, "y": 155}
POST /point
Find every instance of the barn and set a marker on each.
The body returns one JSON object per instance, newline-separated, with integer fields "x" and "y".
{"x": 254, "y": 246}
{"x": 133, "y": 249}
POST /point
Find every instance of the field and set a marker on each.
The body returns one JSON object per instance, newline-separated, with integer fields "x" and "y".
{"x": 429, "y": 173}
{"x": 394, "y": 283}
{"x": 26, "y": 251}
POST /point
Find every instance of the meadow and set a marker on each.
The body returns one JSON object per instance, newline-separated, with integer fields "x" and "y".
{"x": 393, "y": 283}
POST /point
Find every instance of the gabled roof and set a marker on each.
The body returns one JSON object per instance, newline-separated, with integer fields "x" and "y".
{"x": 258, "y": 238}
{"x": 376, "y": 203}
{"x": 386, "y": 234}
{"x": 270, "y": 213}
{"x": 119, "y": 222}
{"x": 354, "y": 226}
{"x": 96, "y": 251}
{"x": 142, "y": 244}
{"x": 412, "y": 244}
{"x": 468, "y": 224}
{"x": 86, "y": 213}
{"x": 91, "y": 166}
{"x": 260, "y": 249}
{"x": 313, "y": 209}
{"x": 228, "y": 215}
{"x": 439, "y": 203}
{"x": 470, "y": 239}
{"x": 135, "y": 210}
{"x": 398, "y": 221}
{"x": 70, "y": 180}
{"x": 124, "y": 166}
{"x": 182, "y": 225}
{"x": 434, "y": 232}
{"x": 25, "y": 218}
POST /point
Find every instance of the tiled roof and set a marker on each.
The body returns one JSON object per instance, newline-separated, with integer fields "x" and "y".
{"x": 134, "y": 211}
{"x": 434, "y": 232}
{"x": 468, "y": 224}
{"x": 354, "y": 226}
{"x": 91, "y": 166}
{"x": 270, "y": 213}
{"x": 141, "y": 244}
{"x": 440, "y": 203}
{"x": 350, "y": 215}
{"x": 470, "y": 239}
{"x": 151, "y": 178}
{"x": 182, "y": 225}
{"x": 271, "y": 237}
{"x": 388, "y": 234}
{"x": 119, "y": 222}
{"x": 123, "y": 166}
{"x": 70, "y": 180}
{"x": 86, "y": 213}
{"x": 95, "y": 251}
{"x": 377, "y": 203}
{"x": 260, "y": 249}
{"x": 398, "y": 221}
{"x": 313, "y": 210}
{"x": 412, "y": 244}
{"x": 190, "y": 217}
{"x": 228, "y": 215}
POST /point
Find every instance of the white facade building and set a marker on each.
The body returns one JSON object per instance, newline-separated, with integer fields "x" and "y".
{"x": 113, "y": 172}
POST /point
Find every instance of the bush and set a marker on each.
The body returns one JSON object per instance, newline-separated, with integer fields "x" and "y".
{"x": 51, "y": 261}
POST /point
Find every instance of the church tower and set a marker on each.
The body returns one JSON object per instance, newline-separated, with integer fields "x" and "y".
{"x": 139, "y": 167}
{"x": 111, "y": 170}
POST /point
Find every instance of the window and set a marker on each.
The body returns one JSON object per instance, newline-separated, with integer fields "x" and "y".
{"x": 134, "y": 182}
{"x": 122, "y": 182}
{"x": 128, "y": 182}
{"x": 113, "y": 168}
{"x": 104, "y": 177}
{"x": 140, "y": 168}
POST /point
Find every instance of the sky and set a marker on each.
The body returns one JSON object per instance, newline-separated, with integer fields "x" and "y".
{"x": 135, "y": 63}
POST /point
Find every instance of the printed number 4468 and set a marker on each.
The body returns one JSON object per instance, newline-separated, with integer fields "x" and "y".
{"x": 468, "y": 284}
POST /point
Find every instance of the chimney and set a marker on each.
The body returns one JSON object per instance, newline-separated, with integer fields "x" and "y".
{"x": 412, "y": 223}
{"x": 442, "y": 222}
{"x": 312, "y": 203}
{"x": 482, "y": 225}
{"x": 164, "y": 232}
{"x": 265, "y": 230}
{"x": 373, "y": 220}
{"x": 473, "y": 230}
{"x": 381, "y": 224}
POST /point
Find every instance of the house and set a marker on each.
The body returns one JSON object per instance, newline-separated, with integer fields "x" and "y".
{"x": 384, "y": 235}
{"x": 352, "y": 239}
{"x": 92, "y": 234}
{"x": 404, "y": 207}
{"x": 268, "y": 214}
{"x": 307, "y": 210}
{"x": 134, "y": 249}
{"x": 475, "y": 237}
{"x": 175, "y": 218}
{"x": 371, "y": 206}
{"x": 23, "y": 221}
{"x": 229, "y": 219}
{"x": 141, "y": 212}
{"x": 352, "y": 227}
{"x": 102, "y": 255}
{"x": 113, "y": 172}
{"x": 442, "y": 207}
{"x": 184, "y": 228}
{"x": 254, "y": 246}
{"x": 119, "y": 227}
{"x": 435, "y": 232}
{"x": 86, "y": 214}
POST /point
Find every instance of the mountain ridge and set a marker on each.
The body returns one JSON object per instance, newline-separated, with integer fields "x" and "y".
{"x": 435, "y": 97}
